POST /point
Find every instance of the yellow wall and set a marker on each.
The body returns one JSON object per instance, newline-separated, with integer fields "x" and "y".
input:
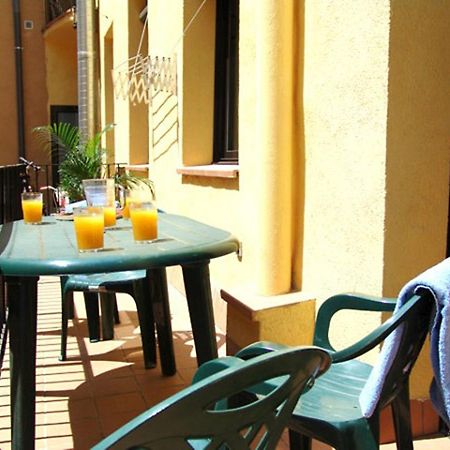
{"x": 138, "y": 110}
{"x": 119, "y": 35}
{"x": 113, "y": 23}
{"x": 8, "y": 111}
{"x": 343, "y": 142}
{"x": 232, "y": 204}
{"x": 177, "y": 137}
{"x": 418, "y": 155}
{"x": 376, "y": 142}
{"x": 34, "y": 87}
{"x": 61, "y": 57}
{"x": 345, "y": 121}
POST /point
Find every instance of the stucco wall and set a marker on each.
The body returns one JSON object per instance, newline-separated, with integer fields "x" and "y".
{"x": 376, "y": 142}
{"x": 345, "y": 114}
{"x": 181, "y": 126}
{"x": 8, "y": 111}
{"x": 61, "y": 58}
{"x": 113, "y": 23}
{"x": 340, "y": 117}
{"x": 418, "y": 155}
{"x": 34, "y": 86}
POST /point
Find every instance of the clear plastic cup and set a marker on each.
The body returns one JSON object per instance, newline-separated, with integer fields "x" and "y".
{"x": 101, "y": 192}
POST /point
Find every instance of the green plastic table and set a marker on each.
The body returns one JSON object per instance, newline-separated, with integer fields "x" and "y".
{"x": 29, "y": 251}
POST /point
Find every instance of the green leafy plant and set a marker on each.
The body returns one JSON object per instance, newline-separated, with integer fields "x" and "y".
{"x": 81, "y": 159}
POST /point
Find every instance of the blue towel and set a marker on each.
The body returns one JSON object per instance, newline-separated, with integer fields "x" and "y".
{"x": 437, "y": 281}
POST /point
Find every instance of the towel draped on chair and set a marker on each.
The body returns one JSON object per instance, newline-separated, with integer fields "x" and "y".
{"x": 435, "y": 280}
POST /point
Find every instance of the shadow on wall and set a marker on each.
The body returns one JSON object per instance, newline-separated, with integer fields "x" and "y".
{"x": 164, "y": 122}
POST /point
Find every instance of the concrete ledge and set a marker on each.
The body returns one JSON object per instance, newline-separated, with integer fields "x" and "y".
{"x": 212, "y": 170}
{"x": 285, "y": 319}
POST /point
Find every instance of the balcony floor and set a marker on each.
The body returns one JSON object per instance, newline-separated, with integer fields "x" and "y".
{"x": 103, "y": 385}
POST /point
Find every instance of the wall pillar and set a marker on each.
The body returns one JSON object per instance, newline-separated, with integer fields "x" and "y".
{"x": 273, "y": 159}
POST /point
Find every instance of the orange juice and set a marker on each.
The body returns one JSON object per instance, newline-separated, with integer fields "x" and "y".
{"x": 145, "y": 223}
{"x": 32, "y": 211}
{"x": 126, "y": 208}
{"x": 109, "y": 213}
{"x": 89, "y": 231}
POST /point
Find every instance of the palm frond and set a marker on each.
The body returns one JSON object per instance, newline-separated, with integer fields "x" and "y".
{"x": 81, "y": 159}
{"x": 131, "y": 182}
{"x": 59, "y": 137}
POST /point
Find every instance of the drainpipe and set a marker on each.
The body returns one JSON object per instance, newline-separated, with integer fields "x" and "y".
{"x": 19, "y": 79}
{"x": 87, "y": 68}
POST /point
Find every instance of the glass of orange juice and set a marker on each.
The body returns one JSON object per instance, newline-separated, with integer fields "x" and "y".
{"x": 89, "y": 228}
{"x": 130, "y": 197}
{"x": 144, "y": 220}
{"x": 32, "y": 207}
{"x": 109, "y": 213}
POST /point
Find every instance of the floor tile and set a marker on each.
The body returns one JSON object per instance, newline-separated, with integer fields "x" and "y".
{"x": 102, "y": 385}
{"x": 118, "y": 403}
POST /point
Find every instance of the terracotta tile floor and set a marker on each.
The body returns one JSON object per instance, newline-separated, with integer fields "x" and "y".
{"x": 103, "y": 385}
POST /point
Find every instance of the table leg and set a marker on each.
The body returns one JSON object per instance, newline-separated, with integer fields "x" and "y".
{"x": 22, "y": 324}
{"x": 159, "y": 296}
{"x": 146, "y": 320}
{"x": 198, "y": 294}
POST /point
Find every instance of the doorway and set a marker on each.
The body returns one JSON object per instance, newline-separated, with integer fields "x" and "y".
{"x": 61, "y": 114}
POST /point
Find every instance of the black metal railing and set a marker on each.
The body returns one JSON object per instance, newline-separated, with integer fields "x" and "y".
{"x": 56, "y": 8}
{"x": 40, "y": 178}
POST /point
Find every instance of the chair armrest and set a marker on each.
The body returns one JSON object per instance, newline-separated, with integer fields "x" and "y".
{"x": 339, "y": 302}
{"x": 259, "y": 348}
{"x": 378, "y": 335}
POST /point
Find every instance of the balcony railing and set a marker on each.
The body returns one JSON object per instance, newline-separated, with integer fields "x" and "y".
{"x": 56, "y": 8}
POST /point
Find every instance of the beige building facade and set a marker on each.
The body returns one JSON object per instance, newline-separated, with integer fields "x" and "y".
{"x": 343, "y": 175}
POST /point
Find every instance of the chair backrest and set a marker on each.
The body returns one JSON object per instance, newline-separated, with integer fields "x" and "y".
{"x": 198, "y": 418}
{"x": 414, "y": 330}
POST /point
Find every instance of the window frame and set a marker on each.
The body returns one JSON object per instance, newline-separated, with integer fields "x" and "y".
{"x": 226, "y": 83}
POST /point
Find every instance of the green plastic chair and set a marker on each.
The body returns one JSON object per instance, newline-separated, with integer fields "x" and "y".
{"x": 199, "y": 417}
{"x": 105, "y": 286}
{"x": 331, "y": 412}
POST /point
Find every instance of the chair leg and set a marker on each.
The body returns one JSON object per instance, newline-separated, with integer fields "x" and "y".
{"x": 146, "y": 322}
{"x": 108, "y": 303}
{"x": 116, "y": 313}
{"x": 157, "y": 282}
{"x": 402, "y": 420}
{"x": 70, "y": 306}
{"x": 299, "y": 441}
{"x": 92, "y": 313}
{"x": 66, "y": 299}
{"x": 363, "y": 434}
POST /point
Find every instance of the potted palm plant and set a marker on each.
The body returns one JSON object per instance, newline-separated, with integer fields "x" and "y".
{"x": 81, "y": 159}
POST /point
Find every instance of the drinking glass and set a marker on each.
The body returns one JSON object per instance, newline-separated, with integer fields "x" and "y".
{"x": 32, "y": 207}
{"x": 130, "y": 196}
{"x": 101, "y": 192}
{"x": 89, "y": 228}
{"x": 144, "y": 220}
